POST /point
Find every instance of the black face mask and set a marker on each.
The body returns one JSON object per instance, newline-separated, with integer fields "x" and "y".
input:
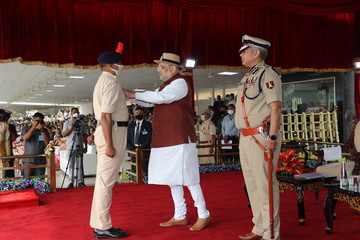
{"x": 222, "y": 113}
{"x": 139, "y": 117}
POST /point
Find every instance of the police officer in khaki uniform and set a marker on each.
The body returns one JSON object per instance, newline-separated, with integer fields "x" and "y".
{"x": 207, "y": 137}
{"x": 110, "y": 139}
{"x": 258, "y": 118}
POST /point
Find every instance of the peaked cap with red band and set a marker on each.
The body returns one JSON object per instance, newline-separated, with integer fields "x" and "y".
{"x": 249, "y": 41}
{"x": 112, "y": 57}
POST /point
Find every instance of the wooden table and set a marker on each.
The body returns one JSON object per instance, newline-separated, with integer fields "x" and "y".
{"x": 334, "y": 194}
{"x": 299, "y": 185}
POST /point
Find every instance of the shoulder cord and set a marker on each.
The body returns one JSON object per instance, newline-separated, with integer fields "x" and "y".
{"x": 245, "y": 115}
{"x": 260, "y": 88}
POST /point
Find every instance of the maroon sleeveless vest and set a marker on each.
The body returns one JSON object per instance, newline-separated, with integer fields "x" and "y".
{"x": 173, "y": 123}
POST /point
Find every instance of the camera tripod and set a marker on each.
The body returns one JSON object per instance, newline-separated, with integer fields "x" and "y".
{"x": 75, "y": 159}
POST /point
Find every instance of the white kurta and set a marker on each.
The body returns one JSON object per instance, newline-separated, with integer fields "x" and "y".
{"x": 173, "y": 165}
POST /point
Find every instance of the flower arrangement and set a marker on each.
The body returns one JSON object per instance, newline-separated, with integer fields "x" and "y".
{"x": 40, "y": 185}
{"x": 206, "y": 168}
{"x": 290, "y": 164}
{"x": 212, "y": 168}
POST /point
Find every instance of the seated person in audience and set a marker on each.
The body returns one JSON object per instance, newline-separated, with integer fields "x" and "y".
{"x": 90, "y": 138}
{"x": 57, "y": 135}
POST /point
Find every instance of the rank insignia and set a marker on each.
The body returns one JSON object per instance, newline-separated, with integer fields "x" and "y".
{"x": 254, "y": 70}
{"x": 270, "y": 85}
{"x": 253, "y": 79}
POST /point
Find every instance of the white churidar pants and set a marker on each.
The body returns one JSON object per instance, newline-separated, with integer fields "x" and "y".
{"x": 177, "y": 192}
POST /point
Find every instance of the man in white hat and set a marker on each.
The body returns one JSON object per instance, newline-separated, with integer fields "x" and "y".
{"x": 173, "y": 157}
{"x": 259, "y": 101}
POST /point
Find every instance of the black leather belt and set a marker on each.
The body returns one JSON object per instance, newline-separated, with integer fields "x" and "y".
{"x": 118, "y": 123}
{"x": 233, "y": 137}
{"x": 121, "y": 124}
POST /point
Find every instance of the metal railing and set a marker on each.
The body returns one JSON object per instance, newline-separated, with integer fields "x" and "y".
{"x": 50, "y": 166}
{"x": 136, "y": 158}
{"x": 310, "y": 127}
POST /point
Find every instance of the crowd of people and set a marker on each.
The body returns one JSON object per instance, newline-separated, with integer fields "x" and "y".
{"x": 217, "y": 127}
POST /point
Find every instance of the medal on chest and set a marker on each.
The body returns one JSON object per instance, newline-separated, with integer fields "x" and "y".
{"x": 251, "y": 81}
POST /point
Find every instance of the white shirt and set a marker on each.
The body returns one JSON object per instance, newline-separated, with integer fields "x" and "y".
{"x": 175, "y": 91}
{"x": 173, "y": 165}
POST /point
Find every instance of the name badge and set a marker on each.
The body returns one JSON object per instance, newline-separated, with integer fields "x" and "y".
{"x": 144, "y": 132}
{"x": 40, "y": 138}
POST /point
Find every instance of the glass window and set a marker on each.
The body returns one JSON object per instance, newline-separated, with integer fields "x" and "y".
{"x": 316, "y": 95}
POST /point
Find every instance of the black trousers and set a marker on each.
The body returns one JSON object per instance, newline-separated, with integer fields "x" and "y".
{"x": 235, "y": 149}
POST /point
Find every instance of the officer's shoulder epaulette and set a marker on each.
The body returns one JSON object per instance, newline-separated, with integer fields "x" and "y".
{"x": 276, "y": 71}
{"x": 270, "y": 67}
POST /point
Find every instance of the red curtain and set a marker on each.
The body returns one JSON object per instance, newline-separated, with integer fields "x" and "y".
{"x": 305, "y": 35}
{"x": 357, "y": 93}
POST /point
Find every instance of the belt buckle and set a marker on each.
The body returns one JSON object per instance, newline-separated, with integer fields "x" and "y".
{"x": 261, "y": 130}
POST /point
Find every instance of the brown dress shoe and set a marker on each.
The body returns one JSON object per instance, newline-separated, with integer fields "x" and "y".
{"x": 250, "y": 236}
{"x": 200, "y": 224}
{"x": 174, "y": 222}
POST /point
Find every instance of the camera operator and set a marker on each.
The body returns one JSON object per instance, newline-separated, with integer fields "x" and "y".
{"x": 36, "y": 139}
{"x": 76, "y": 144}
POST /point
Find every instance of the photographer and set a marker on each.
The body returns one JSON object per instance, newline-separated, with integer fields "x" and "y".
{"x": 76, "y": 144}
{"x": 36, "y": 139}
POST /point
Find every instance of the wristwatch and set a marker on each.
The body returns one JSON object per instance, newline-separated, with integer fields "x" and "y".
{"x": 272, "y": 137}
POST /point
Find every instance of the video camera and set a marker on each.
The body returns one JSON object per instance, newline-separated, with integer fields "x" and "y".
{"x": 77, "y": 123}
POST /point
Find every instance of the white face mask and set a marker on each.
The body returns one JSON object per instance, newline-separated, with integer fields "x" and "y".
{"x": 231, "y": 112}
{"x": 203, "y": 117}
{"x": 117, "y": 71}
{"x": 75, "y": 115}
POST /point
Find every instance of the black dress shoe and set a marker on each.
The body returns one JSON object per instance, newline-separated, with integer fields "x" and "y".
{"x": 116, "y": 229}
{"x": 70, "y": 185}
{"x": 81, "y": 184}
{"x": 111, "y": 233}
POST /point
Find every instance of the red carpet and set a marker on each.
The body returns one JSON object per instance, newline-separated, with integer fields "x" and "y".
{"x": 139, "y": 209}
{"x": 18, "y": 199}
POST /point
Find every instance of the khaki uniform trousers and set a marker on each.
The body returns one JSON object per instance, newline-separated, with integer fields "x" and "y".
{"x": 107, "y": 173}
{"x": 254, "y": 169}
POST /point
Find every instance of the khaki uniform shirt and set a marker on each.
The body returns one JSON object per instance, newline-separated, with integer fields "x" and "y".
{"x": 109, "y": 97}
{"x": 256, "y": 105}
{"x": 207, "y": 129}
